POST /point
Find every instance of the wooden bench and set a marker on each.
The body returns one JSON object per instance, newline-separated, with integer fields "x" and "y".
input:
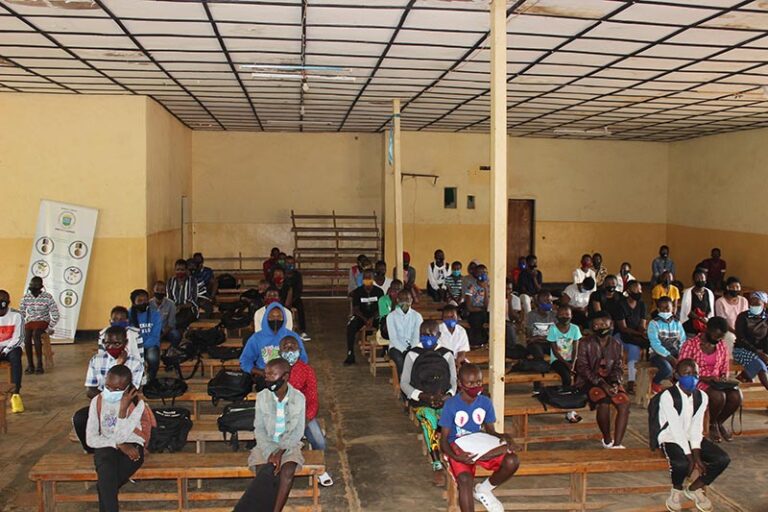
{"x": 644, "y": 379}
{"x": 377, "y": 353}
{"x": 6, "y": 365}
{"x": 578, "y": 464}
{"x": 518, "y": 408}
{"x": 196, "y": 396}
{"x": 5, "y": 393}
{"x": 55, "y": 468}
{"x": 47, "y": 351}
{"x": 207, "y": 431}
{"x": 210, "y": 367}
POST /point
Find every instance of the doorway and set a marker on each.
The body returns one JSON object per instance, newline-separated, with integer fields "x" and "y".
{"x": 520, "y": 230}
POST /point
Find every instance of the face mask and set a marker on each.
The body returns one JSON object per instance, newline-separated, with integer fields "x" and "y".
{"x": 610, "y": 289}
{"x": 545, "y": 307}
{"x": 404, "y": 306}
{"x": 275, "y": 325}
{"x": 159, "y": 296}
{"x": 602, "y": 333}
{"x": 450, "y": 323}
{"x": 664, "y": 255}
{"x": 665, "y": 315}
{"x": 112, "y": 396}
{"x": 3, "y": 304}
{"x": 563, "y": 320}
{"x": 700, "y": 284}
{"x": 121, "y": 323}
{"x": 367, "y": 282}
{"x": 281, "y": 263}
{"x": 755, "y": 310}
{"x": 732, "y": 293}
{"x": 290, "y": 266}
{"x": 473, "y": 392}
{"x": 115, "y": 351}
{"x": 406, "y": 265}
{"x": 665, "y": 282}
{"x": 522, "y": 266}
{"x": 35, "y": 291}
{"x": 456, "y": 273}
{"x": 636, "y": 296}
{"x": 688, "y": 382}
{"x": 379, "y": 274}
{"x": 482, "y": 277}
{"x": 278, "y": 281}
{"x": 276, "y": 385}
{"x": 428, "y": 341}
{"x": 624, "y": 271}
{"x": 141, "y": 307}
{"x": 181, "y": 275}
{"x": 291, "y": 356}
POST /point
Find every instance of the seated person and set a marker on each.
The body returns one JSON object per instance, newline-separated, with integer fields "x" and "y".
{"x": 752, "y": 340}
{"x": 716, "y": 268}
{"x": 41, "y": 314}
{"x": 633, "y": 329}
{"x": 387, "y": 303}
{"x": 681, "y": 437}
{"x": 114, "y": 353}
{"x": 697, "y": 305}
{"x": 729, "y": 306}
{"x": 666, "y": 335}
{"x": 149, "y": 323}
{"x": 713, "y": 361}
{"x": 118, "y": 428}
{"x": 437, "y": 271}
{"x": 380, "y": 278}
{"x": 598, "y": 373}
{"x": 290, "y": 297}
{"x": 469, "y": 412}
{"x": 625, "y": 276}
{"x": 204, "y": 298}
{"x": 665, "y": 288}
{"x": 577, "y": 297}
{"x": 584, "y": 271}
{"x": 429, "y": 378}
{"x": 118, "y": 317}
{"x": 403, "y": 326}
{"x": 513, "y": 316}
{"x": 11, "y": 340}
{"x": 663, "y": 263}
{"x": 563, "y": 338}
{"x": 600, "y": 271}
{"x": 365, "y": 312}
{"x": 303, "y": 378}
{"x": 356, "y": 274}
{"x": 529, "y": 283}
{"x": 409, "y": 277}
{"x": 476, "y": 296}
{"x": 270, "y": 264}
{"x": 271, "y": 296}
{"x": 537, "y": 325}
{"x": 278, "y": 428}
{"x": 167, "y": 309}
{"x": 453, "y": 284}
{"x": 452, "y": 335}
{"x": 204, "y": 275}
{"x": 182, "y": 290}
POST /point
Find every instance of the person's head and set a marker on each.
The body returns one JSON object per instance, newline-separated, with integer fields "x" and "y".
{"x": 115, "y": 339}
{"x": 36, "y": 285}
{"x": 281, "y": 257}
{"x": 732, "y": 287}
{"x": 278, "y": 276}
{"x": 5, "y": 302}
{"x": 699, "y": 279}
{"x": 450, "y": 316}
{"x": 289, "y": 349}
{"x": 271, "y": 295}
{"x": 664, "y": 251}
{"x": 531, "y": 262}
{"x": 472, "y": 268}
{"x": 757, "y": 301}
{"x": 470, "y": 380}
{"x": 521, "y": 263}
{"x": 717, "y": 327}
{"x": 564, "y": 314}
{"x": 456, "y": 269}
{"x": 394, "y": 289}
{"x": 715, "y": 253}
{"x": 275, "y": 319}
{"x": 587, "y": 284}
{"x": 635, "y": 290}
{"x": 118, "y": 316}
{"x": 439, "y": 256}
{"x": 180, "y": 269}
{"x": 274, "y": 253}
{"x": 290, "y": 264}
{"x": 158, "y": 290}
{"x": 665, "y": 278}
{"x": 262, "y": 286}
{"x": 429, "y": 332}
{"x": 610, "y": 283}
{"x": 597, "y": 260}
{"x": 586, "y": 261}
{"x": 687, "y": 375}
{"x": 198, "y": 257}
{"x": 481, "y": 272}
{"x": 140, "y": 300}
{"x": 404, "y": 300}
{"x": 380, "y": 269}
{"x": 366, "y": 264}
{"x": 544, "y": 301}
{"x": 118, "y": 380}
{"x": 192, "y": 265}
{"x": 276, "y": 373}
{"x": 664, "y": 307}
{"x": 625, "y": 268}
{"x": 406, "y": 259}
{"x": 601, "y": 324}
{"x": 368, "y": 279}
{"x": 360, "y": 259}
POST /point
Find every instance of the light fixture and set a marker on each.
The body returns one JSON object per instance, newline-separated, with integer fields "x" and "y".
{"x": 278, "y": 122}
{"x": 602, "y": 132}
{"x": 292, "y": 67}
{"x": 298, "y": 76}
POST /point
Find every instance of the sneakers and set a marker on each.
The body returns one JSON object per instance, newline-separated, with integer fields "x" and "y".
{"x": 489, "y": 501}
{"x": 16, "y": 404}
{"x": 350, "y": 359}
{"x": 607, "y": 446}
{"x": 29, "y": 370}
{"x": 674, "y": 502}
{"x": 305, "y": 337}
{"x": 700, "y": 499}
{"x": 618, "y": 447}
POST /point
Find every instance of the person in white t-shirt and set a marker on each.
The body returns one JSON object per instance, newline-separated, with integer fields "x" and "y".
{"x": 380, "y": 278}
{"x": 437, "y": 271}
{"x": 270, "y": 296}
{"x": 584, "y": 271}
{"x": 625, "y": 276}
{"x": 11, "y": 339}
{"x": 452, "y": 335}
{"x": 577, "y": 297}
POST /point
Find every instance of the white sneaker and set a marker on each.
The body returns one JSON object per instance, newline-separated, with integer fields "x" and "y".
{"x": 305, "y": 337}
{"x": 674, "y": 502}
{"x": 489, "y": 501}
{"x": 699, "y": 499}
{"x": 618, "y": 447}
{"x": 606, "y": 445}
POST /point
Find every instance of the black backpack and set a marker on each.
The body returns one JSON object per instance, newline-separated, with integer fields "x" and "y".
{"x": 164, "y": 388}
{"x": 227, "y": 282}
{"x": 431, "y": 372}
{"x": 230, "y": 385}
{"x": 237, "y": 318}
{"x": 237, "y": 417}
{"x": 173, "y": 357}
{"x": 531, "y": 366}
{"x": 204, "y": 338}
{"x": 225, "y": 353}
{"x": 654, "y": 429}
{"x": 173, "y": 426}
{"x": 562, "y": 397}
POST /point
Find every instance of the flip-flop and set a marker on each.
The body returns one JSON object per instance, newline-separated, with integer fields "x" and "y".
{"x": 574, "y": 419}
{"x": 325, "y": 480}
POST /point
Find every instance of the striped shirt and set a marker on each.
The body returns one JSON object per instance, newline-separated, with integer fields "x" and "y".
{"x": 100, "y": 364}
{"x": 183, "y": 292}
{"x": 279, "y": 419}
{"x": 39, "y": 309}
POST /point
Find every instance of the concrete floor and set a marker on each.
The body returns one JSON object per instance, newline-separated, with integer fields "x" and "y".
{"x": 374, "y": 454}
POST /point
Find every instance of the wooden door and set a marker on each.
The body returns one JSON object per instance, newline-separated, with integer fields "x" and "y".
{"x": 520, "y": 230}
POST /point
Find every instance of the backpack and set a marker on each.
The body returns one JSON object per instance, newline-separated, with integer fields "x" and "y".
{"x": 147, "y": 424}
{"x": 237, "y": 318}
{"x": 173, "y": 357}
{"x": 163, "y": 388}
{"x": 231, "y": 385}
{"x": 562, "y": 397}
{"x": 173, "y": 426}
{"x": 204, "y": 338}
{"x": 531, "y": 366}
{"x": 224, "y": 353}
{"x": 431, "y": 372}
{"x": 654, "y": 429}
{"x": 227, "y": 282}
{"x": 237, "y": 417}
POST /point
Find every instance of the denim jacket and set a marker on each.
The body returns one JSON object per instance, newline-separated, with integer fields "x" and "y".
{"x": 264, "y": 424}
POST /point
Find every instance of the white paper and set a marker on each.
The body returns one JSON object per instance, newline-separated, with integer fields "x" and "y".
{"x": 478, "y": 443}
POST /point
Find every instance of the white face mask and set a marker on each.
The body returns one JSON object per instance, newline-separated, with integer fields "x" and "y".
{"x": 112, "y": 396}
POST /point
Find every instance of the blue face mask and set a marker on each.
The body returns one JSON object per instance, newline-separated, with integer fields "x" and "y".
{"x": 665, "y": 315}
{"x": 123, "y": 323}
{"x": 456, "y": 273}
{"x": 482, "y": 277}
{"x": 546, "y": 307}
{"x": 688, "y": 382}
{"x": 291, "y": 356}
{"x": 450, "y": 323}
{"x": 428, "y": 341}
{"x": 112, "y": 396}
{"x": 756, "y": 310}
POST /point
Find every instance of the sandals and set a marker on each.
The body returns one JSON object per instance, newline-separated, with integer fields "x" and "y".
{"x": 573, "y": 417}
{"x": 726, "y": 435}
{"x": 714, "y": 433}
{"x": 325, "y": 480}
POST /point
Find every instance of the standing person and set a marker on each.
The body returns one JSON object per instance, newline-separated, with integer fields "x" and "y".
{"x": 577, "y": 297}
{"x": 167, "y": 309}
{"x": 681, "y": 437}
{"x": 716, "y": 268}
{"x": 600, "y": 271}
{"x": 387, "y": 304}
{"x": 437, "y": 271}
{"x": 633, "y": 329}
{"x": 182, "y": 290}
{"x": 625, "y": 276}
{"x": 477, "y": 295}
{"x": 537, "y": 325}
{"x": 697, "y": 305}
{"x": 40, "y": 316}
{"x": 563, "y": 338}
{"x": 149, "y": 322}
{"x": 452, "y": 335}
{"x": 403, "y": 326}
{"x": 599, "y": 373}
{"x": 584, "y": 271}
{"x": 453, "y": 285}
{"x": 665, "y": 335}
{"x": 270, "y": 264}
{"x": 11, "y": 339}
{"x": 730, "y": 306}
{"x": 118, "y": 428}
{"x": 365, "y": 312}
{"x": 380, "y": 278}
{"x": 752, "y": 340}
{"x": 661, "y": 264}
{"x": 529, "y": 283}
{"x": 279, "y": 425}
{"x": 665, "y": 288}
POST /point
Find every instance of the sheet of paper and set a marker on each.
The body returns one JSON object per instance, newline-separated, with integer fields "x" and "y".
{"x": 479, "y": 443}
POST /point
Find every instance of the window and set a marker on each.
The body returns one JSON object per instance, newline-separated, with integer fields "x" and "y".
{"x": 470, "y": 202}
{"x": 449, "y": 197}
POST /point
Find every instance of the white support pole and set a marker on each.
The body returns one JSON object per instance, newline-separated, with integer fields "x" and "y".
{"x": 498, "y": 270}
{"x": 398, "y": 189}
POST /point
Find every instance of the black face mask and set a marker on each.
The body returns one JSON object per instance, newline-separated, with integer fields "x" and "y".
{"x": 563, "y": 320}
{"x": 379, "y": 274}
{"x": 159, "y": 296}
{"x": 141, "y": 307}
{"x": 3, "y": 305}
{"x": 602, "y": 333}
{"x": 274, "y": 386}
{"x": 732, "y": 293}
{"x": 666, "y": 282}
{"x": 275, "y": 325}
{"x": 35, "y": 291}
{"x": 636, "y": 296}
{"x": 610, "y": 289}
{"x": 700, "y": 284}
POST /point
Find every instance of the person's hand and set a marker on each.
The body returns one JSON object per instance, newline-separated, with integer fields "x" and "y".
{"x": 763, "y": 357}
{"x": 49, "y": 330}
{"x": 130, "y": 451}
{"x": 462, "y": 456}
{"x": 511, "y": 445}
{"x": 276, "y": 459}
{"x": 672, "y": 361}
{"x": 699, "y": 466}
{"x": 369, "y": 323}
{"x": 437, "y": 401}
{"x": 122, "y": 358}
{"x": 128, "y": 396}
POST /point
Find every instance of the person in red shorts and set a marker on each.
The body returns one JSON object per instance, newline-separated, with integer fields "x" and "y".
{"x": 467, "y": 413}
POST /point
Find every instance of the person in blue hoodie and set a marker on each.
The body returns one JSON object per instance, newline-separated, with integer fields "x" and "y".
{"x": 264, "y": 345}
{"x": 149, "y": 322}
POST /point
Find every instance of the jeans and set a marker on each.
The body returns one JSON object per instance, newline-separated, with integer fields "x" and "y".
{"x": 152, "y": 357}
{"x": 174, "y": 337}
{"x": 13, "y": 356}
{"x": 563, "y": 370}
{"x": 665, "y": 369}
{"x": 314, "y": 435}
{"x": 478, "y": 335}
{"x": 633, "y": 356}
{"x": 713, "y": 457}
{"x": 399, "y": 359}
{"x": 80, "y": 422}
{"x": 113, "y": 469}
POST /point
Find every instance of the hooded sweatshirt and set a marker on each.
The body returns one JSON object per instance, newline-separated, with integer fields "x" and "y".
{"x": 264, "y": 345}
